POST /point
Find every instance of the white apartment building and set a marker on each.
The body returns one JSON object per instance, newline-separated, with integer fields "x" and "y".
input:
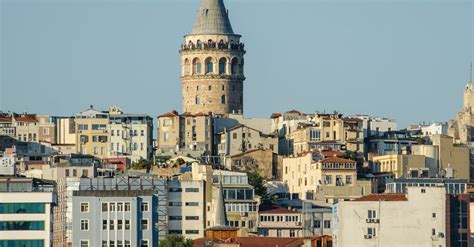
{"x": 374, "y": 125}
{"x": 131, "y": 135}
{"x": 186, "y": 208}
{"x": 435, "y": 129}
{"x": 415, "y": 219}
{"x": 25, "y": 212}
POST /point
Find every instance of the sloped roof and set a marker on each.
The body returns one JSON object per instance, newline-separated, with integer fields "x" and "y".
{"x": 382, "y": 197}
{"x": 272, "y": 209}
{"x": 212, "y": 18}
{"x": 170, "y": 114}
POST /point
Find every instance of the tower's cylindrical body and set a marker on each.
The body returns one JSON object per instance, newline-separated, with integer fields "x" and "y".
{"x": 212, "y": 62}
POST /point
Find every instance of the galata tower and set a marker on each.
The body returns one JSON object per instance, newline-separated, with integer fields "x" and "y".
{"x": 212, "y": 62}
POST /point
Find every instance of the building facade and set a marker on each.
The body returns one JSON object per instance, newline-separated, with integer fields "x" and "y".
{"x": 212, "y": 62}
{"x": 26, "y": 208}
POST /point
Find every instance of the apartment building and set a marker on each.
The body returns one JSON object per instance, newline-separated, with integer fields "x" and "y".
{"x": 185, "y": 134}
{"x": 114, "y": 218}
{"x": 149, "y": 224}
{"x": 131, "y": 135}
{"x": 187, "y": 208}
{"x": 280, "y": 222}
{"x": 331, "y": 179}
{"x": 26, "y": 209}
{"x": 425, "y": 216}
{"x": 92, "y": 135}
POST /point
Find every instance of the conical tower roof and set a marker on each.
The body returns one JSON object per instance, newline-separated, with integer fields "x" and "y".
{"x": 220, "y": 217}
{"x": 212, "y": 18}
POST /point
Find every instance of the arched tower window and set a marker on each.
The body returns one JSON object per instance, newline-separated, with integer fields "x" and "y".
{"x": 209, "y": 65}
{"x": 234, "y": 66}
{"x": 222, "y": 65}
{"x": 223, "y": 99}
{"x": 198, "y": 100}
{"x": 209, "y": 87}
{"x": 187, "y": 67}
{"x": 197, "y": 66}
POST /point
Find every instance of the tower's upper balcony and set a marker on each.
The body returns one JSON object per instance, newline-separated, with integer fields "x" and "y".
{"x": 213, "y": 45}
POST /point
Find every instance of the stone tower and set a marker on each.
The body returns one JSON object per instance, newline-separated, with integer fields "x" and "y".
{"x": 212, "y": 62}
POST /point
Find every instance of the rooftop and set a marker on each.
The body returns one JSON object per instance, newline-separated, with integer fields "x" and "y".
{"x": 382, "y": 197}
{"x": 212, "y": 18}
{"x": 272, "y": 209}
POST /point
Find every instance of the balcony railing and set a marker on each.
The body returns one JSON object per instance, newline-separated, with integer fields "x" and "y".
{"x": 213, "y": 46}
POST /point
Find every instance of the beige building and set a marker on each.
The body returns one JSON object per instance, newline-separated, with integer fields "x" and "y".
{"x": 241, "y": 138}
{"x": 264, "y": 161}
{"x": 444, "y": 157}
{"x": 65, "y": 130}
{"x": 401, "y": 165}
{"x": 416, "y": 219}
{"x": 212, "y": 62}
{"x": 26, "y": 127}
{"x": 92, "y": 136}
{"x": 184, "y": 134}
{"x": 46, "y": 129}
{"x": 328, "y": 131}
{"x": 331, "y": 179}
{"x": 280, "y": 222}
{"x": 131, "y": 135}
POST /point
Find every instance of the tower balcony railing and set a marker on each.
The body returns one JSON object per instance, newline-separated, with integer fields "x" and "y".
{"x": 214, "y": 76}
{"x": 213, "y": 46}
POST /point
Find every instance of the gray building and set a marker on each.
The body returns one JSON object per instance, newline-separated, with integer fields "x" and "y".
{"x": 453, "y": 186}
{"x": 115, "y": 218}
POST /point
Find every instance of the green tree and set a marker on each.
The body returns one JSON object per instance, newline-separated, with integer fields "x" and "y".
{"x": 180, "y": 161}
{"x": 258, "y": 184}
{"x": 176, "y": 241}
{"x": 141, "y": 164}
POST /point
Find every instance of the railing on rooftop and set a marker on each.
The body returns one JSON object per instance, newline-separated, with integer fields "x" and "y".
{"x": 213, "y": 45}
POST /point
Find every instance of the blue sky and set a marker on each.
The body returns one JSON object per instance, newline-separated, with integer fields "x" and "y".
{"x": 407, "y": 60}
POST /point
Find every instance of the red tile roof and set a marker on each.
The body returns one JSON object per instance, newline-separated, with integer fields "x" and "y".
{"x": 331, "y": 153}
{"x": 275, "y": 115}
{"x": 336, "y": 160}
{"x": 259, "y": 242}
{"x": 26, "y": 119}
{"x": 382, "y": 197}
{"x": 170, "y": 114}
{"x": 5, "y": 119}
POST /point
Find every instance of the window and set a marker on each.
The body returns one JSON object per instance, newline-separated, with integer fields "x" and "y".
{"x": 166, "y": 136}
{"x": 84, "y": 225}
{"x": 175, "y": 204}
{"x": 434, "y": 215}
{"x": 234, "y": 135}
{"x": 192, "y": 217}
{"x": 192, "y": 204}
{"x": 317, "y": 224}
{"x": 104, "y": 207}
{"x": 328, "y": 179}
{"x": 119, "y": 224}
{"x": 104, "y": 243}
{"x": 144, "y": 224}
{"x": 167, "y": 122}
{"x": 371, "y": 214}
{"x": 112, "y": 207}
{"x": 192, "y": 231}
{"x": 127, "y": 207}
{"x": 104, "y": 224}
{"x": 327, "y": 224}
{"x": 222, "y": 65}
{"x": 279, "y": 233}
{"x": 176, "y": 232}
{"x": 433, "y": 231}
{"x": 292, "y": 233}
{"x": 349, "y": 179}
{"x": 144, "y": 243}
{"x": 223, "y": 99}
{"x": 84, "y": 243}
{"x": 175, "y": 190}
{"x": 84, "y": 207}
{"x": 21, "y": 226}
{"x": 74, "y": 172}
{"x": 127, "y": 243}
{"x": 112, "y": 243}
{"x": 111, "y": 225}
{"x": 142, "y": 132}
{"x": 234, "y": 66}
{"x": 22, "y": 208}
{"x": 119, "y": 207}
{"x": 209, "y": 66}
{"x": 175, "y": 217}
{"x": 371, "y": 232}
{"x": 119, "y": 243}
{"x": 144, "y": 207}
{"x": 197, "y": 101}
{"x": 192, "y": 189}
{"x": 67, "y": 173}
{"x": 127, "y": 224}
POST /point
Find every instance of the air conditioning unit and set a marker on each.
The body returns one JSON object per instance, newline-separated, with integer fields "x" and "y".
{"x": 368, "y": 236}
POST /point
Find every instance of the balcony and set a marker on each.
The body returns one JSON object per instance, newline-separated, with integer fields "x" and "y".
{"x": 372, "y": 220}
{"x": 211, "y": 45}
